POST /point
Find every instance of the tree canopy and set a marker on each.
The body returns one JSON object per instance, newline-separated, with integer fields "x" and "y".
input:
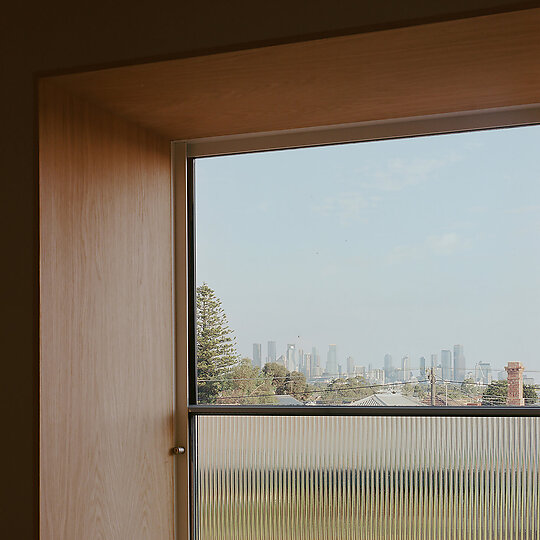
{"x": 346, "y": 390}
{"x": 292, "y": 383}
{"x": 278, "y": 373}
{"x": 248, "y": 385}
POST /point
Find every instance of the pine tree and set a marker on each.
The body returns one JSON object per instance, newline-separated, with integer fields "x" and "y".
{"x": 216, "y": 345}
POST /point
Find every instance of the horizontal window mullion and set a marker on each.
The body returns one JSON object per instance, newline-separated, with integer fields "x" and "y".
{"x": 277, "y": 410}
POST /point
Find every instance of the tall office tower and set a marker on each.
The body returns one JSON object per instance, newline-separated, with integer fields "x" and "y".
{"x": 446, "y": 365}
{"x": 257, "y": 355}
{"x": 459, "y": 363}
{"x": 307, "y": 366}
{"x": 331, "y": 360}
{"x": 433, "y": 360}
{"x": 482, "y": 373}
{"x": 388, "y": 367}
{"x": 291, "y": 357}
{"x": 313, "y": 365}
{"x": 300, "y": 363}
{"x": 313, "y": 361}
{"x": 299, "y": 359}
{"x": 422, "y": 369}
{"x": 405, "y": 368}
{"x": 376, "y": 376}
{"x": 271, "y": 352}
{"x": 350, "y": 366}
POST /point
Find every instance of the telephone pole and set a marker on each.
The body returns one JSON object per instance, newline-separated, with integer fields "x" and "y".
{"x": 431, "y": 377}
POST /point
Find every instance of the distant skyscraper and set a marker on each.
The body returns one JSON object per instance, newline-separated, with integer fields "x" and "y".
{"x": 308, "y": 367}
{"x": 459, "y": 363}
{"x": 482, "y": 373}
{"x": 291, "y": 357}
{"x": 257, "y": 355}
{"x": 405, "y": 368}
{"x": 446, "y": 365}
{"x": 350, "y": 366}
{"x": 315, "y": 363}
{"x": 331, "y": 360}
{"x": 388, "y": 367}
{"x": 271, "y": 351}
{"x": 433, "y": 360}
{"x": 422, "y": 367}
{"x": 299, "y": 359}
{"x": 376, "y": 376}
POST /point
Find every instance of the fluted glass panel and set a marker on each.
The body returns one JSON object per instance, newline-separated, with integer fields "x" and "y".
{"x": 261, "y": 477}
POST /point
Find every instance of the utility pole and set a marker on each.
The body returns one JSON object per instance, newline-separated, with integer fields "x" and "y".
{"x": 431, "y": 377}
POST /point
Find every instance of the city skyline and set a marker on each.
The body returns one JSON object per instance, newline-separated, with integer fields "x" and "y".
{"x": 404, "y": 247}
{"x": 452, "y": 368}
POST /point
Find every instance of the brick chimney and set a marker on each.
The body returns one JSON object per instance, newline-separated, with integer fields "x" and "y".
{"x": 515, "y": 384}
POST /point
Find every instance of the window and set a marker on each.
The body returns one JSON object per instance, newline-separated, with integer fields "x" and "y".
{"x": 365, "y": 335}
{"x": 371, "y": 273}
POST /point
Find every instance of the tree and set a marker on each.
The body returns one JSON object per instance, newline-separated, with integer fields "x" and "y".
{"x": 296, "y": 386}
{"x": 346, "y": 390}
{"x": 467, "y": 385}
{"x": 248, "y": 385}
{"x": 497, "y": 392}
{"x": 278, "y": 373}
{"x": 216, "y": 346}
{"x": 288, "y": 382}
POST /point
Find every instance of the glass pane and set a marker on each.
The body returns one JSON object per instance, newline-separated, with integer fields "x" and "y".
{"x": 367, "y": 478}
{"x": 371, "y": 273}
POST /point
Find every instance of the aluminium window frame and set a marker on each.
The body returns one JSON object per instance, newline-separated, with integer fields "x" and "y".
{"x": 322, "y": 136}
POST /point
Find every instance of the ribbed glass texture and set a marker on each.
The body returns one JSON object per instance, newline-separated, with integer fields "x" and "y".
{"x": 262, "y": 477}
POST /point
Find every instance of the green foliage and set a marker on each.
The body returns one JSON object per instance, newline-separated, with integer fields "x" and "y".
{"x": 497, "y": 392}
{"x": 346, "y": 390}
{"x": 248, "y": 385}
{"x": 278, "y": 374}
{"x": 296, "y": 386}
{"x": 287, "y": 382}
{"x": 530, "y": 394}
{"x": 216, "y": 346}
{"x": 421, "y": 391}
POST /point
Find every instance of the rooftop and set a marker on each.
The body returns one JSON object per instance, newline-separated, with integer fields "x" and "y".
{"x": 387, "y": 400}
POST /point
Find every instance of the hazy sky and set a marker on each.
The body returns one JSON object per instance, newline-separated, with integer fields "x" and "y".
{"x": 402, "y": 247}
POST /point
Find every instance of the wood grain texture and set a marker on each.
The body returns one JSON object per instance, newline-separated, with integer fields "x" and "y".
{"x": 106, "y": 379}
{"x": 479, "y": 63}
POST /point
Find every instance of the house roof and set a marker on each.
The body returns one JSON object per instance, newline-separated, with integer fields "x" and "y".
{"x": 387, "y": 400}
{"x": 287, "y": 400}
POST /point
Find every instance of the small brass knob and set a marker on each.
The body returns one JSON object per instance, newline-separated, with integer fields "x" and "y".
{"x": 178, "y": 450}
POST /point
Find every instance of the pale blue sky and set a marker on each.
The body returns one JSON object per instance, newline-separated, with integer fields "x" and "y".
{"x": 403, "y": 247}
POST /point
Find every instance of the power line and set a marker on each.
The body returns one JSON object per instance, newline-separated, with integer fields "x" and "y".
{"x": 316, "y": 391}
{"x": 325, "y": 390}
